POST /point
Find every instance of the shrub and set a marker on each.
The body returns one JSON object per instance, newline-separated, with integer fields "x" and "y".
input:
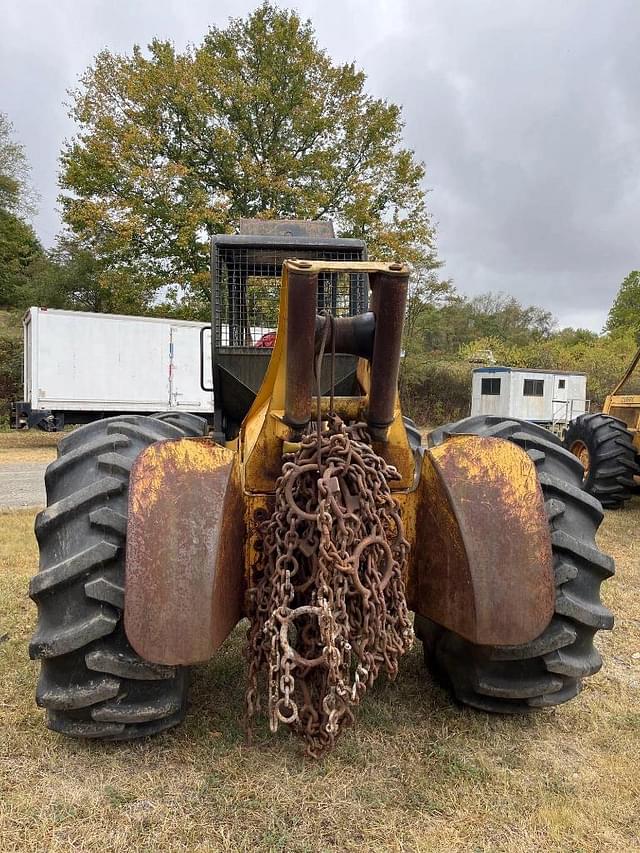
{"x": 10, "y": 371}
{"x": 440, "y": 391}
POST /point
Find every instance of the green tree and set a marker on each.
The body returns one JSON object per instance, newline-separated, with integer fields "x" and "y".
{"x": 78, "y": 280}
{"x": 255, "y": 121}
{"x": 16, "y": 195}
{"x": 625, "y": 311}
{"x": 68, "y": 277}
{"x": 444, "y": 325}
{"x": 19, "y": 252}
{"x": 10, "y": 362}
{"x": 504, "y": 317}
{"x": 22, "y": 258}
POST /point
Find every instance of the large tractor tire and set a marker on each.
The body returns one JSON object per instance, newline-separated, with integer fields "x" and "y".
{"x": 92, "y": 683}
{"x": 604, "y": 445}
{"x": 548, "y": 670}
{"x": 414, "y": 436}
{"x": 191, "y": 425}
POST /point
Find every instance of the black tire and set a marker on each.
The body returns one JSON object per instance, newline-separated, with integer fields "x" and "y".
{"x": 549, "y": 670}
{"x": 191, "y": 425}
{"x": 414, "y": 435}
{"x": 612, "y": 458}
{"x": 92, "y": 684}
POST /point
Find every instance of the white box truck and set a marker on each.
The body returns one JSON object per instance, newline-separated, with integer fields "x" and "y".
{"x": 80, "y": 366}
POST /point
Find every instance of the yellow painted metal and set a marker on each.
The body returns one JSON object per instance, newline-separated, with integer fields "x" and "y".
{"x": 159, "y": 462}
{"x": 627, "y": 375}
{"x": 472, "y": 510}
{"x": 626, "y": 407}
{"x": 264, "y": 431}
{"x": 482, "y": 563}
{"x": 185, "y": 539}
{"x": 504, "y": 486}
{"x": 364, "y": 267}
{"x": 580, "y": 449}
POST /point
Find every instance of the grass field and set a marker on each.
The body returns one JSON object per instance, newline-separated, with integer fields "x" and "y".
{"x": 28, "y": 446}
{"x": 415, "y": 774}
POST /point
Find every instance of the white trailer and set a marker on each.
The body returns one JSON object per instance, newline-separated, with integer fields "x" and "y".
{"x": 551, "y": 398}
{"x": 80, "y": 366}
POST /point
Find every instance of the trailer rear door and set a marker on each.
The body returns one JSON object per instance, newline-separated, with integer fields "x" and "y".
{"x": 184, "y": 374}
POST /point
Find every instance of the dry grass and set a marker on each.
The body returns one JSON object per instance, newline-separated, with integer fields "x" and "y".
{"x": 415, "y": 774}
{"x": 28, "y": 446}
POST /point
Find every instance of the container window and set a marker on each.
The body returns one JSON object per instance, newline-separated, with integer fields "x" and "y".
{"x": 490, "y": 387}
{"x": 561, "y": 383}
{"x": 533, "y": 388}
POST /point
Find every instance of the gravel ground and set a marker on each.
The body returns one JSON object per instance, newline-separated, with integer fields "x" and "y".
{"x": 22, "y": 484}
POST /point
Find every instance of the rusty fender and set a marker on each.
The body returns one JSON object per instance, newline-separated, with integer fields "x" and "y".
{"x": 482, "y": 563}
{"x": 185, "y": 551}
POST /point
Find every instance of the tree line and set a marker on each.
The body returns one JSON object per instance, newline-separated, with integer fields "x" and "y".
{"x": 449, "y": 336}
{"x": 257, "y": 120}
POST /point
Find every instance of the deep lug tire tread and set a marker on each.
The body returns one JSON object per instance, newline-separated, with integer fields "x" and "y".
{"x": 191, "y": 425}
{"x": 92, "y": 683}
{"x": 613, "y": 462}
{"x": 549, "y": 670}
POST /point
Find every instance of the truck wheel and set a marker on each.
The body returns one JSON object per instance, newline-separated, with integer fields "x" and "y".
{"x": 548, "y": 670}
{"x": 92, "y": 683}
{"x": 604, "y": 445}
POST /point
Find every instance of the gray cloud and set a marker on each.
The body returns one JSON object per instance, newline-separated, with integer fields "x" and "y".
{"x": 526, "y": 113}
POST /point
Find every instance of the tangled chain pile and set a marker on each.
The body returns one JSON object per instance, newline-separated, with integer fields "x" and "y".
{"x": 329, "y": 608}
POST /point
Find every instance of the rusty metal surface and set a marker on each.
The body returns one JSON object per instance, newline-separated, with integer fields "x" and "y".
{"x": 328, "y": 608}
{"x": 389, "y": 297}
{"x": 287, "y": 227}
{"x": 185, "y": 551}
{"x": 353, "y": 335}
{"x": 635, "y": 361}
{"x": 302, "y": 297}
{"x": 626, "y": 408}
{"x": 268, "y": 424}
{"x": 482, "y": 563}
{"x": 368, "y": 267}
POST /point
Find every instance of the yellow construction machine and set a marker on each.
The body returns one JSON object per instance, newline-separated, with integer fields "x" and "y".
{"x": 607, "y": 443}
{"x": 316, "y": 513}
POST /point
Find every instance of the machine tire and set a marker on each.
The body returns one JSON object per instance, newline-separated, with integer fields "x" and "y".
{"x": 612, "y": 458}
{"x": 414, "y": 436}
{"x": 191, "y": 425}
{"x": 92, "y": 683}
{"x": 548, "y": 670}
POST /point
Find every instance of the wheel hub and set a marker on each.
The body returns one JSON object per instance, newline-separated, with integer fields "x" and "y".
{"x": 580, "y": 449}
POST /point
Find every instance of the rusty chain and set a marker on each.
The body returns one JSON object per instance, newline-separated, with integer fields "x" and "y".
{"x": 328, "y": 609}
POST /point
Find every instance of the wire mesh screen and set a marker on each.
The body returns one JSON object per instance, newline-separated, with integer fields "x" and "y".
{"x": 246, "y": 290}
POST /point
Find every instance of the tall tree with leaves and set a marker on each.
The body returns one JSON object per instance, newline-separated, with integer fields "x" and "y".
{"x": 16, "y": 194}
{"x": 625, "y": 311}
{"x": 255, "y": 121}
{"x": 20, "y": 251}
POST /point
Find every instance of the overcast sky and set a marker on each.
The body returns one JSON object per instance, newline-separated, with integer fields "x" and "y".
{"x": 526, "y": 113}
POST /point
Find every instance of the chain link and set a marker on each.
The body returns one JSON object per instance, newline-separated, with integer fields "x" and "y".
{"x": 328, "y": 609}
